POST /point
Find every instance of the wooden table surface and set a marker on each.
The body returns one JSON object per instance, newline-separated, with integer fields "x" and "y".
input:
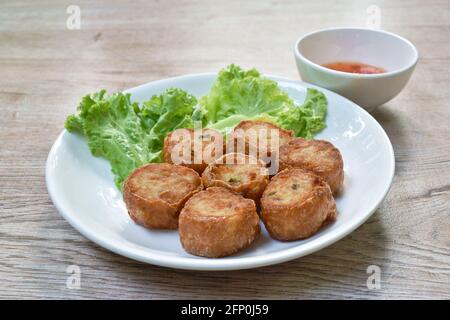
{"x": 46, "y": 68}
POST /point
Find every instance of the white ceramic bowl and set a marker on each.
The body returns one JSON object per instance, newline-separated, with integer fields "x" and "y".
{"x": 391, "y": 52}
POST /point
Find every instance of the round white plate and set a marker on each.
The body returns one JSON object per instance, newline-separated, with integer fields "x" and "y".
{"x": 81, "y": 187}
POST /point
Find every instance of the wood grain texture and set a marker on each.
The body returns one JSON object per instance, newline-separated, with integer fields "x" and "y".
{"x": 45, "y": 69}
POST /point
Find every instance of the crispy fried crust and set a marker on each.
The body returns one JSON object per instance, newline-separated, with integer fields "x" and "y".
{"x": 240, "y": 173}
{"x": 318, "y": 156}
{"x": 217, "y": 222}
{"x": 296, "y": 204}
{"x": 207, "y": 137}
{"x": 284, "y": 137}
{"x": 155, "y": 194}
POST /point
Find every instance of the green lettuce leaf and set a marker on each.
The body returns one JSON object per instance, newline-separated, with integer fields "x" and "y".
{"x": 239, "y": 95}
{"x": 242, "y": 95}
{"x": 167, "y": 112}
{"x": 129, "y": 135}
{"x": 309, "y": 118}
{"x": 125, "y": 134}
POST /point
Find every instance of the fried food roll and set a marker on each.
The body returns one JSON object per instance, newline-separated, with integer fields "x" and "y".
{"x": 317, "y": 156}
{"x": 155, "y": 194}
{"x": 296, "y": 204}
{"x": 217, "y": 222}
{"x": 256, "y": 138}
{"x": 238, "y": 172}
{"x": 194, "y": 149}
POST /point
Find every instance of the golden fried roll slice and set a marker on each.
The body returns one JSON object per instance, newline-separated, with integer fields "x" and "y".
{"x": 318, "y": 156}
{"x": 238, "y": 172}
{"x": 250, "y": 133}
{"x": 194, "y": 149}
{"x": 295, "y": 204}
{"x": 217, "y": 222}
{"x": 155, "y": 194}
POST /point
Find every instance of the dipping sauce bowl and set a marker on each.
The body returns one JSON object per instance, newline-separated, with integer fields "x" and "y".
{"x": 387, "y": 51}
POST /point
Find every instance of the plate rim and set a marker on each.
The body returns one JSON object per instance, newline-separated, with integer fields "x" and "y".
{"x": 205, "y": 264}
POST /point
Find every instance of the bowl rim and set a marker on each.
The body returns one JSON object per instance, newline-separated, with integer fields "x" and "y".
{"x": 318, "y": 67}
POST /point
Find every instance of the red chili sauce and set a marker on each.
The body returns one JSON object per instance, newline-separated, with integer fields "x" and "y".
{"x": 354, "y": 67}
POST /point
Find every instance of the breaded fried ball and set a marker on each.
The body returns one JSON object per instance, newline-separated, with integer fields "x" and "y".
{"x": 155, "y": 194}
{"x": 193, "y": 149}
{"x": 318, "y": 156}
{"x": 217, "y": 222}
{"x": 296, "y": 204}
{"x": 238, "y": 172}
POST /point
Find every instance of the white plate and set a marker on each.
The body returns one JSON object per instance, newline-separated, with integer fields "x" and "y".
{"x": 82, "y": 188}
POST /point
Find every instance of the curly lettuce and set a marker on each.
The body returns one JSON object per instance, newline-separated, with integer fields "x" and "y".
{"x": 129, "y": 134}
{"x": 239, "y": 95}
{"x": 307, "y": 119}
{"x": 126, "y": 134}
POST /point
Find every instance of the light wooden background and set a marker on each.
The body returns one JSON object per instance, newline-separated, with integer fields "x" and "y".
{"x": 45, "y": 69}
